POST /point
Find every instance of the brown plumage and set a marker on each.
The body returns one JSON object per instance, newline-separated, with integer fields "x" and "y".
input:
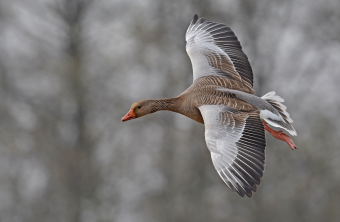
{"x": 202, "y": 92}
{"x": 222, "y": 98}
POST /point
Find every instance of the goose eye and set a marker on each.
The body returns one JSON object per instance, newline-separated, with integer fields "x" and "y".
{"x": 139, "y": 107}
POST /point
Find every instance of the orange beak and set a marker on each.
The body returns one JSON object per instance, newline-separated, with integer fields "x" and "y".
{"x": 128, "y": 116}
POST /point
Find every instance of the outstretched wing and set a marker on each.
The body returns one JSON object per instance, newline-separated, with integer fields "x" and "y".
{"x": 214, "y": 49}
{"x": 237, "y": 144}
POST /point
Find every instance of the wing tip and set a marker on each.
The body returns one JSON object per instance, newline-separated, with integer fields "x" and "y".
{"x": 244, "y": 191}
{"x": 194, "y": 19}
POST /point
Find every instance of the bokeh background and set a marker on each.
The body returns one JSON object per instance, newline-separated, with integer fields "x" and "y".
{"x": 70, "y": 69}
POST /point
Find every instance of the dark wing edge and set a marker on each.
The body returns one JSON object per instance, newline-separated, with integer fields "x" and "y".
{"x": 247, "y": 169}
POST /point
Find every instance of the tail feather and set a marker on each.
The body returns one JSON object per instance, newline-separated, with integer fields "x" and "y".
{"x": 276, "y": 102}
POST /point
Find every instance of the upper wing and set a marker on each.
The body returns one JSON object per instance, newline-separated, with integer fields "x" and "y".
{"x": 237, "y": 144}
{"x": 214, "y": 50}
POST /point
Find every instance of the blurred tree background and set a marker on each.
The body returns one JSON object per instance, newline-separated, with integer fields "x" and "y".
{"x": 70, "y": 69}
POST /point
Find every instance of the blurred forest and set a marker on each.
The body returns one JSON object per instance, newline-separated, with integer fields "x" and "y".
{"x": 70, "y": 70}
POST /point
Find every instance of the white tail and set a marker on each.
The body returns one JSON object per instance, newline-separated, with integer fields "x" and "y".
{"x": 276, "y": 102}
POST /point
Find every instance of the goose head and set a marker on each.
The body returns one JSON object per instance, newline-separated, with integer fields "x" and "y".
{"x": 139, "y": 109}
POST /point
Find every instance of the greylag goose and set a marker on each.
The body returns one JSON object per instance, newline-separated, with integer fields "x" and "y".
{"x": 222, "y": 98}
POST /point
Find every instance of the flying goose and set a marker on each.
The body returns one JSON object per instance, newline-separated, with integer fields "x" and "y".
{"x": 222, "y": 98}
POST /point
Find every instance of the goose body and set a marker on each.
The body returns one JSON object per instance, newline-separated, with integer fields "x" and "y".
{"x": 222, "y": 98}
